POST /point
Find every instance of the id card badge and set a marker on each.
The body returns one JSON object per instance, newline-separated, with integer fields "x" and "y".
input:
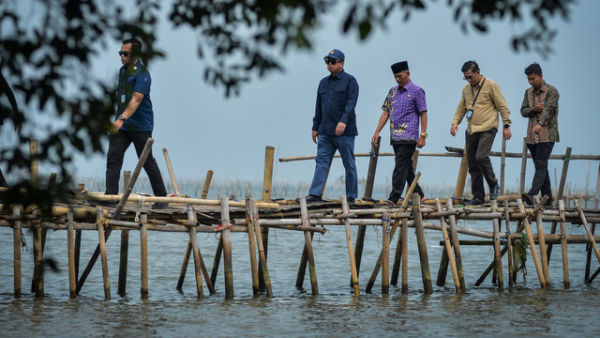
{"x": 469, "y": 113}
{"x": 123, "y": 98}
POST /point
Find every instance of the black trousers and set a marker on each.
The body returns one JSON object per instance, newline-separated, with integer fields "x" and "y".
{"x": 403, "y": 171}
{"x": 541, "y": 179}
{"x": 3, "y": 182}
{"x": 114, "y": 161}
{"x": 479, "y": 148}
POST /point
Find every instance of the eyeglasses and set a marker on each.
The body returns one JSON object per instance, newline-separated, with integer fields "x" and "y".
{"x": 470, "y": 77}
{"x": 125, "y": 54}
{"x": 332, "y": 61}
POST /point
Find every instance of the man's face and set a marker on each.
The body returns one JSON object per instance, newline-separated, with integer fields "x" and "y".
{"x": 125, "y": 53}
{"x": 334, "y": 68}
{"x": 536, "y": 81}
{"x": 472, "y": 77}
{"x": 402, "y": 78}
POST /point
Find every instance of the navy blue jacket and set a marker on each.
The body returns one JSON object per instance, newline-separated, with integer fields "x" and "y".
{"x": 336, "y": 99}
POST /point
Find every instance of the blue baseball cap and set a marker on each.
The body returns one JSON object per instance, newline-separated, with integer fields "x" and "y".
{"x": 336, "y": 54}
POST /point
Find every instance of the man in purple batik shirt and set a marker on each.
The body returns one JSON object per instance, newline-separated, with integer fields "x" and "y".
{"x": 404, "y": 106}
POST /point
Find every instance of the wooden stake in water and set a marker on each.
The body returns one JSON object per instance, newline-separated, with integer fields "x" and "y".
{"x": 122, "y": 285}
{"x": 262, "y": 259}
{"x": 385, "y": 249}
{"x": 542, "y": 244}
{"x": 144, "y": 254}
{"x": 252, "y": 248}
{"x": 171, "y": 173}
{"x": 309, "y": 250}
{"x": 536, "y": 259}
{"x": 71, "y": 256}
{"x": 448, "y": 246}
{"x": 421, "y": 243}
{"x": 193, "y": 240}
{"x": 353, "y": 272}
{"x": 497, "y": 251}
{"x": 227, "y": 256}
{"x": 102, "y": 245}
{"x": 587, "y": 229}
{"x": 456, "y": 245}
{"x": 563, "y": 243}
{"x": 17, "y": 252}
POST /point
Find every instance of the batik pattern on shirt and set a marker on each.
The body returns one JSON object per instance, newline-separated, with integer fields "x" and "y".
{"x": 404, "y": 104}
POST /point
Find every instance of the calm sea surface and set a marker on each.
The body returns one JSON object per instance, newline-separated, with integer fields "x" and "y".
{"x": 483, "y": 311}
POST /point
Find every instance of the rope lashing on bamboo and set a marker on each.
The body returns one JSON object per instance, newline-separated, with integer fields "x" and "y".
{"x": 221, "y": 226}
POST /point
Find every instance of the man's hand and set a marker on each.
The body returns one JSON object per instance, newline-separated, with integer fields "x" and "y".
{"x": 118, "y": 124}
{"x": 315, "y": 134}
{"x": 421, "y": 142}
{"x": 537, "y": 129}
{"x": 507, "y": 133}
{"x": 453, "y": 129}
{"x": 339, "y": 129}
{"x": 374, "y": 139}
{"x": 539, "y": 107}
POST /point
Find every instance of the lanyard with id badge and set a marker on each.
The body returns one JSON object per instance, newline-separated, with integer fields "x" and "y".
{"x": 470, "y": 111}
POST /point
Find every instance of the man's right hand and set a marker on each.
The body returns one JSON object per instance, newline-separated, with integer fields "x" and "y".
{"x": 374, "y": 139}
{"x": 453, "y": 129}
{"x": 315, "y": 135}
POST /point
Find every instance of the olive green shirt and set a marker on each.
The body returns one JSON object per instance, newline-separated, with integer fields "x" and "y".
{"x": 485, "y": 111}
{"x": 548, "y": 117}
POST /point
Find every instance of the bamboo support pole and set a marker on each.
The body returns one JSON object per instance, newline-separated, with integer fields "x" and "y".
{"x": 124, "y": 252}
{"x": 77, "y": 254}
{"x": 353, "y": 273}
{"x": 144, "y": 255}
{"x": 385, "y": 270}
{"x": 542, "y": 245}
{"x": 508, "y": 246}
{"x": 171, "y": 173}
{"x": 217, "y": 260}
{"x": 206, "y": 186}
{"x": 502, "y": 165}
{"x": 71, "y": 257}
{"x": 193, "y": 240}
{"x": 587, "y": 229}
{"x": 262, "y": 258}
{"x": 374, "y": 156}
{"x": 309, "y": 250}
{"x": 404, "y": 235}
{"x": 462, "y": 175}
{"x": 443, "y": 269}
{"x": 252, "y": 247}
{"x": 397, "y": 258}
{"x": 165, "y": 199}
{"x": 421, "y": 243}
{"x": 561, "y": 189}
{"x": 103, "y": 258}
{"x": 17, "y": 252}
{"x": 523, "y": 166}
{"x": 37, "y": 283}
{"x": 588, "y": 259}
{"x": 456, "y": 245}
{"x": 227, "y": 255}
{"x": 534, "y": 253}
{"x": 394, "y": 228}
{"x": 491, "y": 267}
{"x": 563, "y": 242}
{"x": 497, "y": 255}
{"x": 33, "y": 162}
{"x": 266, "y": 196}
{"x": 448, "y": 246}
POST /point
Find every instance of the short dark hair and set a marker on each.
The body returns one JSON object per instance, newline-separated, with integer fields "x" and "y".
{"x": 533, "y": 68}
{"x": 136, "y": 46}
{"x": 470, "y": 65}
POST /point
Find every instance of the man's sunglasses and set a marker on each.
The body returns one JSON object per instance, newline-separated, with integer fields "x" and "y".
{"x": 332, "y": 61}
{"x": 470, "y": 77}
{"x": 125, "y": 54}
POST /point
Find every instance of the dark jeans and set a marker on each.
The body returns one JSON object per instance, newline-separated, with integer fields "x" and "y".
{"x": 3, "y": 182}
{"x": 114, "y": 161}
{"x": 541, "y": 180}
{"x": 403, "y": 171}
{"x": 326, "y": 148}
{"x": 479, "y": 148}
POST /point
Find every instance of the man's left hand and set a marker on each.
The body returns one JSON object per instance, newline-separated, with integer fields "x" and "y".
{"x": 537, "y": 129}
{"x": 421, "y": 142}
{"x": 339, "y": 129}
{"x": 118, "y": 124}
{"x": 507, "y": 133}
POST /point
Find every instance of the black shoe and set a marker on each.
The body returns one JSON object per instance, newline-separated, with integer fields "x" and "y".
{"x": 351, "y": 200}
{"x": 313, "y": 199}
{"x": 108, "y": 204}
{"x": 526, "y": 198}
{"x": 159, "y": 205}
{"x": 494, "y": 192}
{"x": 475, "y": 201}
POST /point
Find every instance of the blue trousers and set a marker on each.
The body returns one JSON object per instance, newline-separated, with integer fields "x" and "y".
{"x": 326, "y": 148}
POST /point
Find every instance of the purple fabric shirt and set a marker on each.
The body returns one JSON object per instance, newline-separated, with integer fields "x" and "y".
{"x": 404, "y": 105}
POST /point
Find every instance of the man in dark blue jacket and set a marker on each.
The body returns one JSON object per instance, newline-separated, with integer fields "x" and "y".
{"x": 334, "y": 126}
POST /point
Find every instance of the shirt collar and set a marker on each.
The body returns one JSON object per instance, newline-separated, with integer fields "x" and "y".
{"x": 542, "y": 89}
{"x": 338, "y": 76}
{"x": 405, "y": 88}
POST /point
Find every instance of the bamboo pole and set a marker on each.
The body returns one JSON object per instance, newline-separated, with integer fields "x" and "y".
{"x": 497, "y": 250}
{"x": 534, "y": 253}
{"x": 17, "y": 252}
{"x": 523, "y": 166}
{"x": 166, "y": 199}
{"x": 563, "y": 242}
{"x": 438, "y": 205}
{"x": 508, "y": 246}
{"x": 71, "y": 257}
{"x": 404, "y": 236}
{"x": 374, "y": 156}
{"x": 103, "y": 258}
{"x": 77, "y": 254}
{"x": 308, "y": 247}
{"x": 456, "y": 245}
{"x": 385, "y": 271}
{"x": 252, "y": 247}
{"x": 588, "y": 258}
{"x": 421, "y": 243}
{"x": 262, "y": 259}
{"x": 206, "y": 186}
{"x": 193, "y": 240}
{"x": 144, "y": 255}
{"x": 491, "y": 267}
{"x": 462, "y": 175}
{"x": 33, "y": 162}
{"x": 171, "y": 173}
{"x": 227, "y": 256}
{"x": 561, "y": 188}
{"x": 397, "y": 259}
{"x": 266, "y": 196}
{"x": 587, "y": 229}
{"x": 542, "y": 245}
{"x": 124, "y": 253}
{"x": 502, "y": 165}
{"x": 353, "y": 273}
{"x": 443, "y": 269}
{"x": 217, "y": 260}
{"x": 37, "y": 285}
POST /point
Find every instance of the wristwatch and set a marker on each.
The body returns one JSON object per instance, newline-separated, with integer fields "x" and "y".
{"x": 121, "y": 117}
{"x": 506, "y": 126}
{"x": 424, "y": 135}
{"x": 540, "y": 123}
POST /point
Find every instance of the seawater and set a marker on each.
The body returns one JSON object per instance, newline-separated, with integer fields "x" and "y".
{"x": 481, "y": 311}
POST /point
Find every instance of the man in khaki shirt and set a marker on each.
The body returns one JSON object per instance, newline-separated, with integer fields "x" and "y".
{"x": 480, "y": 103}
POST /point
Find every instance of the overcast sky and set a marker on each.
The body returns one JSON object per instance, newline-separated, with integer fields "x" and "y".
{"x": 204, "y": 130}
